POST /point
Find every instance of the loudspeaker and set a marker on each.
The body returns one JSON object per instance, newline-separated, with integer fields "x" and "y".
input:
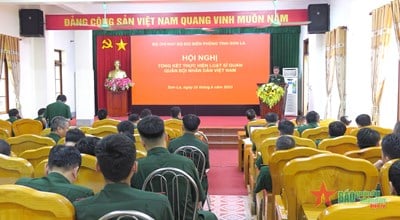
{"x": 31, "y": 23}
{"x": 318, "y": 14}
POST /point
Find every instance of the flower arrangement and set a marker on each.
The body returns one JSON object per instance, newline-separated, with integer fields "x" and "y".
{"x": 118, "y": 84}
{"x": 270, "y": 93}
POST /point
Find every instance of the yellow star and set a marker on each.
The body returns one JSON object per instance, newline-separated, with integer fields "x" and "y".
{"x": 121, "y": 44}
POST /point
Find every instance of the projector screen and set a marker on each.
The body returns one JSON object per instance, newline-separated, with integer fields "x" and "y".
{"x": 198, "y": 69}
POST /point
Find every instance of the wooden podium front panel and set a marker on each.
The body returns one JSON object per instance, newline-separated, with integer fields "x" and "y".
{"x": 117, "y": 103}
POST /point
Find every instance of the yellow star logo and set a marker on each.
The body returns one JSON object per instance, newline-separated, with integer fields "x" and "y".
{"x": 121, "y": 45}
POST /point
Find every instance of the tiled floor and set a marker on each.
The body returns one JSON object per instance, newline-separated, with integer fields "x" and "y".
{"x": 227, "y": 207}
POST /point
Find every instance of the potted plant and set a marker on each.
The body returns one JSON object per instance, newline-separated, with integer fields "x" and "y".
{"x": 270, "y": 94}
{"x": 118, "y": 84}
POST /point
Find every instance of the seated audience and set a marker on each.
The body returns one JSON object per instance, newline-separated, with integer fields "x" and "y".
{"x": 390, "y": 149}
{"x": 87, "y": 145}
{"x": 335, "y": 129}
{"x": 367, "y": 137}
{"x": 345, "y": 120}
{"x": 271, "y": 118}
{"x": 126, "y": 128}
{"x": 300, "y": 120}
{"x": 134, "y": 118}
{"x": 394, "y": 178}
{"x": 62, "y": 170}
{"x": 102, "y": 114}
{"x": 191, "y": 124}
{"x": 13, "y": 115}
{"x": 264, "y": 180}
{"x": 176, "y": 112}
{"x": 363, "y": 120}
{"x": 312, "y": 119}
{"x": 145, "y": 112}
{"x": 73, "y": 136}
{"x": 5, "y": 148}
{"x": 152, "y": 133}
{"x": 251, "y": 116}
{"x": 116, "y": 161}
{"x": 59, "y": 127}
{"x": 41, "y": 117}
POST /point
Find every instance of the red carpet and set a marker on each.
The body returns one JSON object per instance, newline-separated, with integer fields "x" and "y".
{"x": 224, "y": 178}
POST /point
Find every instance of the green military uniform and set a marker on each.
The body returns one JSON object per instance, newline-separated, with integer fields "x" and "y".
{"x": 54, "y": 136}
{"x": 12, "y": 119}
{"x": 278, "y": 79}
{"x": 264, "y": 180}
{"x": 57, "y": 108}
{"x": 120, "y": 196}
{"x": 191, "y": 140}
{"x": 307, "y": 126}
{"x": 160, "y": 157}
{"x": 57, "y": 183}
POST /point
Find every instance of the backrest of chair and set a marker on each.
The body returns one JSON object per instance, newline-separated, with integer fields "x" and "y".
{"x": 259, "y": 135}
{"x": 372, "y": 154}
{"x": 106, "y": 121}
{"x": 176, "y": 185}
{"x": 384, "y": 178}
{"x": 176, "y": 125}
{"x": 138, "y": 143}
{"x": 40, "y": 169}
{"x": 339, "y": 145}
{"x": 4, "y": 134}
{"x": 267, "y": 147}
{"x": 380, "y": 208}
{"x": 27, "y": 126}
{"x": 279, "y": 159}
{"x": 316, "y": 133}
{"x": 140, "y": 154}
{"x": 332, "y": 172}
{"x": 126, "y": 214}
{"x": 20, "y": 202}
{"x": 13, "y": 168}
{"x": 25, "y": 142}
{"x": 256, "y": 123}
{"x": 35, "y": 156}
{"x": 84, "y": 128}
{"x": 304, "y": 142}
{"x": 349, "y": 129}
{"x": 88, "y": 175}
{"x": 7, "y": 126}
{"x": 382, "y": 131}
{"x": 102, "y": 131}
{"x": 196, "y": 155}
{"x": 45, "y": 132}
{"x": 296, "y": 133}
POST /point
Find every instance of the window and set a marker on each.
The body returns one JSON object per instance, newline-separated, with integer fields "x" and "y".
{"x": 4, "y": 88}
{"x": 58, "y": 71}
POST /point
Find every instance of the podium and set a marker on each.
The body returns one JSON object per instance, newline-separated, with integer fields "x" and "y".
{"x": 279, "y": 108}
{"x": 117, "y": 103}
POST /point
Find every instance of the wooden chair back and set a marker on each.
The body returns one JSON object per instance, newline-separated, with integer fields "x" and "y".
{"x": 27, "y": 126}
{"x": 138, "y": 143}
{"x": 326, "y": 122}
{"x": 88, "y": 175}
{"x": 45, "y": 132}
{"x": 13, "y": 168}
{"x": 106, "y": 121}
{"x": 256, "y": 123}
{"x": 332, "y": 172}
{"x": 102, "y": 131}
{"x": 384, "y": 208}
{"x": 372, "y": 154}
{"x": 7, "y": 126}
{"x": 84, "y": 128}
{"x": 35, "y": 156}
{"x": 25, "y": 142}
{"x": 21, "y": 202}
{"x": 40, "y": 169}
{"x": 304, "y": 142}
{"x": 349, "y": 129}
{"x": 339, "y": 145}
{"x": 4, "y": 134}
{"x": 261, "y": 134}
{"x": 176, "y": 125}
{"x": 318, "y": 133}
{"x": 386, "y": 189}
{"x": 382, "y": 131}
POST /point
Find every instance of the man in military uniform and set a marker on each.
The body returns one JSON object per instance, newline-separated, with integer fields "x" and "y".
{"x": 276, "y": 77}
{"x": 62, "y": 170}
{"x": 116, "y": 161}
{"x": 58, "y": 108}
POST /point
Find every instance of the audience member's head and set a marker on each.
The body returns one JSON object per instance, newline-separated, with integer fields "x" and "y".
{"x": 87, "y": 145}
{"x": 300, "y": 120}
{"x": 116, "y": 158}
{"x": 390, "y": 147}
{"x": 127, "y": 128}
{"x": 151, "y": 130}
{"x": 62, "y": 98}
{"x": 59, "y": 125}
{"x": 64, "y": 160}
{"x": 271, "y": 118}
{"x": 336, "y": 129}
{"x": 394, "y": 177}
{"x": 13, "y": 113}
{"x": 396, "y": 128}
{"x": 275, "y": 70}
{"x": 102, "y": 114}
{"x": 5, "y": 148}
{"x": 145, "y": 112}
{"x": 312, "y": 117}
{"x": 345, "y": 120}
{"x": 251, "y": 114}
{"x": 73, "y": 136}
{"x": 191, "y": 122}
{"x": 367, "y": 137}
{"x": 176, "y": 112}
{"x": 285, "y": 142}
{"x": 134, "y": 118}
{"x": 285, "y": 127}
{"x": 363, "y": 120}
{"x": 41, "y": 112}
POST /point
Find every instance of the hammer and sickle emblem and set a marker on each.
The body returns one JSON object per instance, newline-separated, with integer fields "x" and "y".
{"x": 106, "y": 44}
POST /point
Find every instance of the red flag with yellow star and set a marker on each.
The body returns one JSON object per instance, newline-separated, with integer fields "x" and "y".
{"x": 109, "y": 49}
